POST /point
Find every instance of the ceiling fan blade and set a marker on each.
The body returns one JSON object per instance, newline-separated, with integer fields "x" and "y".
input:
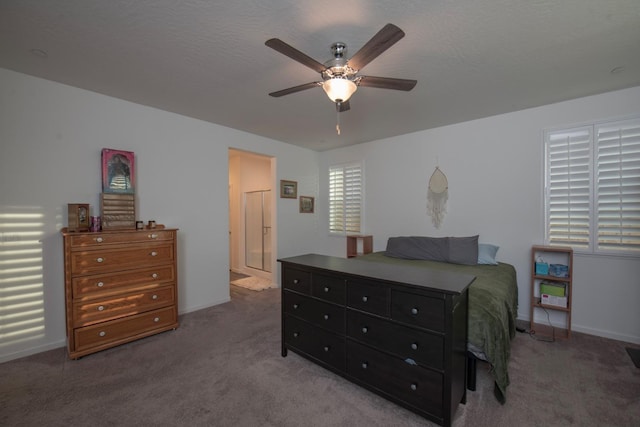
{"x": 295, "y": 54}
{"x": 294, "y": 89}
{"x": 383, "y": 40}
{"x": 343, "y": 106}
{"x": 387, "y": 83}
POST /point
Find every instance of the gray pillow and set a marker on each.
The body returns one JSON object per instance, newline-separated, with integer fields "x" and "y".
{"x": 463, "y": 250}
{"x": 419, "y": 247}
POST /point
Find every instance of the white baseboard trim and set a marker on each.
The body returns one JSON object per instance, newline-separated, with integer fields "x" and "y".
{"x": 32, "y": 350}
{"x": 589, "y": 331}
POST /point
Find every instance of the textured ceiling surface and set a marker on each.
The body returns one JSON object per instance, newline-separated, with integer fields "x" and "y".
{"x": 208, "y": 60}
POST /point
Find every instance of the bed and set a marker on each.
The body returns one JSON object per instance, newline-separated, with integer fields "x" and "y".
{"x": 493, "y": 304}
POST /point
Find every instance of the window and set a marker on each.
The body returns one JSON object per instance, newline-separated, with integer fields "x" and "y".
{"x": 345, "y": 198}
{"x": 592, "y": 187}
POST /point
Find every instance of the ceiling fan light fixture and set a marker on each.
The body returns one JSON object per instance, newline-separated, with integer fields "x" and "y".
{"x": 339, "y": 89}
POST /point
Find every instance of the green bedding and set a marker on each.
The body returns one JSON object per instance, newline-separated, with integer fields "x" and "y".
{"x": 493, "y": 307}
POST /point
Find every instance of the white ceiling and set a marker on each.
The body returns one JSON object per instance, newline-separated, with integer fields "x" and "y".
{"x": 207, "y": 59}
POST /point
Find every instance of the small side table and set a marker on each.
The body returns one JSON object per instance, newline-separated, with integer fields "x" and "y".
{"x": 352, "y": 245}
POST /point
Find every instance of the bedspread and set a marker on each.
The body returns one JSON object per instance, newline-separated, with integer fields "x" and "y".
{"x": 493, "y": 307}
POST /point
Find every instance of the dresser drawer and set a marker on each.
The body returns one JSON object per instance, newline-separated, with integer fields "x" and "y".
{"x": 320, "y": 313}
{"x": 126, "y": 304}
{"x": 123, "y": 330}
{"x": 419, "y": 310}
{"x": 416, "y": 386}
{"x": 315, "y": 342}
{"x": 296, "y": 280}
{"x": 424, "y": 348}
{"x": 99, "y": 284}
{"x": 332, "y": 289}
{"x": 108, "y": 238}
{"x": 368, "y": 296}
{"x": 84, "y": 262}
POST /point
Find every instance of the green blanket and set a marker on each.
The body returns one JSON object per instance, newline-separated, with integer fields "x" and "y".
{"x": 493, "y": 307}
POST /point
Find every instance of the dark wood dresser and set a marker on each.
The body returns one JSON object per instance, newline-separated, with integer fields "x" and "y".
{"x": 399, "y": 332}
{"x": 119, "y": 286}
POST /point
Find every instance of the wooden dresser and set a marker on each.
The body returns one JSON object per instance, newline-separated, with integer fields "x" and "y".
{"x": 399, "y": 332}
{"x": 119, "y": 286}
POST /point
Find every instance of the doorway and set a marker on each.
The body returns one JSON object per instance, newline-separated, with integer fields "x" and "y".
{"x": 251, "y": 214}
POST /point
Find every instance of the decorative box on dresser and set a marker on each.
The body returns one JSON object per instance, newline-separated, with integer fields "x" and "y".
{"x": 120, "y": 286}
{"x": 399, "y": 332}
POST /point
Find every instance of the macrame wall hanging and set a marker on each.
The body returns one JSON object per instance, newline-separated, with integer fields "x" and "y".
{"x": 437, "y": 197}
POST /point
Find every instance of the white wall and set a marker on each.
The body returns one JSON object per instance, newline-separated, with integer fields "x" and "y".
{"x": 51, "y": 136}
{"x": 494, "y": 167}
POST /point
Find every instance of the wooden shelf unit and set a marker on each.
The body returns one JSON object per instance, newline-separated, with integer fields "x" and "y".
{"x": 352, "y": 245}
{"x": 551, "y": 255}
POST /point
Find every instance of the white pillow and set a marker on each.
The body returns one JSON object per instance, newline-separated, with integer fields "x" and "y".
{"x": 487, "y": 253}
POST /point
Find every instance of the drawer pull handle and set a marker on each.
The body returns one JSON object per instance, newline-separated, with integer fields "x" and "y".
{"x": 100, "y": 284}
{"x": 100, "y": 259}
{"x": 414, "y": 386}
{"x": 101, "y": 308}
{"x": 102, "y": 333}
{"x": 154, "y": 253}
{"x": 326, "y": 348}
{"x": 98, "y": 239}
{"x": 365, "y": 365}
{"x": 365, "y": 329}
{"x": 414, "y": 311}
{"x": 326, "y": 317}
{"x": 295, "y": 306}
{"x": 365, "y": 298}
{"x": 295, "y": 281}
{"x": 154, "y": 296}
{"x": 154, "y": 275}
{"x": 414, "y": 346}
{"x": 153, "y": 236}
{"x": 156, "y": 319}
{"x": 296, "y": 334}
{"x": 326, "y": 289}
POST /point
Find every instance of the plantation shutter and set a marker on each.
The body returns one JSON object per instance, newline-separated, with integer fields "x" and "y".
{"x": 618, "y": 186}
{"x": 345, "y": 199}
{"x": 568, "y": 187}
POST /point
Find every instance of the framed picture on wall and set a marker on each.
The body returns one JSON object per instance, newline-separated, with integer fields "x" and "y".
{"x": 288, "y": 189}
{"x": 306, "y": 204}
{"x": 118, "y": 171}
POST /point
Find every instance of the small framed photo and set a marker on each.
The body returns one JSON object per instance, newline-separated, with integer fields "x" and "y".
{"x": 288, "y": 189}
{"x": 78, "y": 218}
{"x": 306, "y": 204}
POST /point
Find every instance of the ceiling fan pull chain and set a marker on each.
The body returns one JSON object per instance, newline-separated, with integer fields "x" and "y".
{"x": 338, "y": 121}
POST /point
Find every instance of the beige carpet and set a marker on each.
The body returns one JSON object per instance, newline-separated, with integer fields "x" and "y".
{"x": 223, "y": 367}
{"x": 253, "y": 283}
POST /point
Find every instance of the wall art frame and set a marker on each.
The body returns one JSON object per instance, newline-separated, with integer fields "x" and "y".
{"x": 288, "y": 189}
{"x": 307, "y": 204}
{"x": 118, "y": 171}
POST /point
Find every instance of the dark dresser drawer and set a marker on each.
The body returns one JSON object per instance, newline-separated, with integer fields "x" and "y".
{"x": 368, "y": 296}
{"x": 296, "y": 280}
{"x": 416, "y": 386}
{"x": 315, "y": 342}
{"x": 329, "y": 288}
{"x": 424, "y": 348}
{"x": 419, "y": 310}
{"x": 320, "y": 313}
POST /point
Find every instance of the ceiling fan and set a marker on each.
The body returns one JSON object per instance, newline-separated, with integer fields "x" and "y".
{"x": 340, "y": 77}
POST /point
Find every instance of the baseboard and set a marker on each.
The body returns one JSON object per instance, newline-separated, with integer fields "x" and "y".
{"x": 606, "y": 334}
{"x": 193, "y": 308}
{"x": 32, "y": 351}
{"x": 589, "y": 331}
